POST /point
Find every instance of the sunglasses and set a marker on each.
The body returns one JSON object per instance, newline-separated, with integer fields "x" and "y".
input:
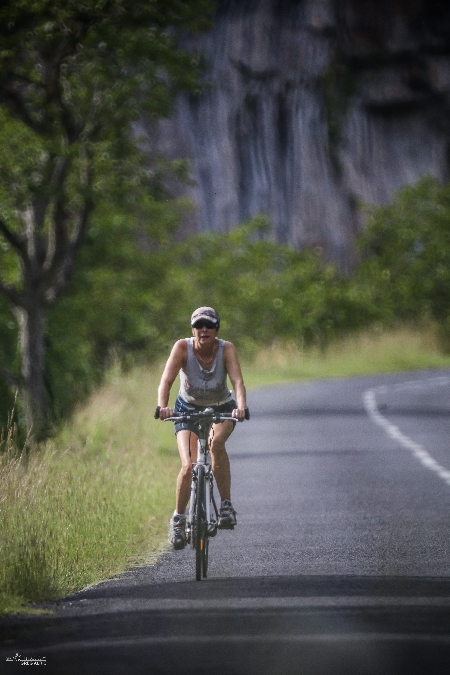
{"x": 204, "y": 324}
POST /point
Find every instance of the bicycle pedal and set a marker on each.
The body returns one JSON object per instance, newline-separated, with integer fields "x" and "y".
{"x": 225, "y": 526}
{"x": 212, "y": 530}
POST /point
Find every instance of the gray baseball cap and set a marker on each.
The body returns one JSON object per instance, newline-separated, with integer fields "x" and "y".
{"x": 205, "y": 313}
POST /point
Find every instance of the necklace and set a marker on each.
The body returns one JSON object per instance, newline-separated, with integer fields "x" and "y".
{"x": 203, "y": 359}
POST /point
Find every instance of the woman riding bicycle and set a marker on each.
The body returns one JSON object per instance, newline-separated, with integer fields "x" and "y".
{"x": 203, "y": 362}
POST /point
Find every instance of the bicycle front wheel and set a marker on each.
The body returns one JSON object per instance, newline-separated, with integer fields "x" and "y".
{"x": 205, "y": 557}
{"x": 201, "y": 543}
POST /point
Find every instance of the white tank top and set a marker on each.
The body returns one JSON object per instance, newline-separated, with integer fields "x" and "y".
{"x": 204, "y": 387}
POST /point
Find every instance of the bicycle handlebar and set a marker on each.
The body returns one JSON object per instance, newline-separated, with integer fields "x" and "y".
{"x": 208, "y": 413}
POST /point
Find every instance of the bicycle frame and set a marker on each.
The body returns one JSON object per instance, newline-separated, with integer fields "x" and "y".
{"x": 202, "y": 460}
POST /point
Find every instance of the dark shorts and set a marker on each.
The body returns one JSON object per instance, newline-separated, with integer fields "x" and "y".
{"x": 183, "y": 407}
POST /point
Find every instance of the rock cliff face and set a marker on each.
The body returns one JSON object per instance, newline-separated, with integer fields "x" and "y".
{"x": 315, "y": 106}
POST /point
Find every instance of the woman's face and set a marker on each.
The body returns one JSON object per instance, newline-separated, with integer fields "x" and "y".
{"x": 203, "y": 333}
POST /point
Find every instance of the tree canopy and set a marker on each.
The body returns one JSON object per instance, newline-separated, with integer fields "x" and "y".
{"x": 74, "y": 78}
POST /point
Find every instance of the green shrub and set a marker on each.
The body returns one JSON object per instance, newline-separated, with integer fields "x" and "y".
{"x": 264, "y": 291}
{"x": 406, "y": 246}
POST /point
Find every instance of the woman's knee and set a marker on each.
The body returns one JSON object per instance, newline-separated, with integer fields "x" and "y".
{"x": 218, "y": 451}
{"x": 186, "y": 468}
{"x": 221, "y": 432}
{"x": 186, "y": 448}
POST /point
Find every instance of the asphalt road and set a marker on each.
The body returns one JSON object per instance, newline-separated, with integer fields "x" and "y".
{"x": 340, "y": 562}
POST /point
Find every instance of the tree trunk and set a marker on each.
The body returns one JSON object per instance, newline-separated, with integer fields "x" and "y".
{"x": 31, "y": 322}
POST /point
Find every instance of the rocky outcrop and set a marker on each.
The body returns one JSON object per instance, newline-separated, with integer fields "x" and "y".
{"x": 314, "y": 107}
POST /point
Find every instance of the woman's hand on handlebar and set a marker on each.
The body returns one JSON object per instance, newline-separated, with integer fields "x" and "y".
{"x": 164, "y": 413}
{"x": 239, "y": 414}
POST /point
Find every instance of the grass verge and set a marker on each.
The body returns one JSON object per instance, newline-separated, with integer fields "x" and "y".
{"x": 96, "y": 499}
{"x": 370, "y": 353}
{"x": 93, "y": 501}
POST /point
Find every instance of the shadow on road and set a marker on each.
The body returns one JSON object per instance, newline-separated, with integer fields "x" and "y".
{"x": 342, "y": 625}
{"x": 271, "y": 586}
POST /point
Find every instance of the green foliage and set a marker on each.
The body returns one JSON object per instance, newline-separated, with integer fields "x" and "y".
{"x": 406, "y": 271}
{"x": 262, "y": 290}
{"x": 76, "y": 79}
{"x": 86, "y": 71}
{"x": 141, "y": 288}
{"x": 112, "y": 307}
{"x": 134, "y": 291}
{"x": 123, "y": 53}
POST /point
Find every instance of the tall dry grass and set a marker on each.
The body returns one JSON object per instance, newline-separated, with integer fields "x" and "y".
{"x": 372, "y": 352}
{"x": 92, "y": 501}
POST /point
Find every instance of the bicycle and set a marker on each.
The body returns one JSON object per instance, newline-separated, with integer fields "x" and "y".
{"x": 201, "y": 525}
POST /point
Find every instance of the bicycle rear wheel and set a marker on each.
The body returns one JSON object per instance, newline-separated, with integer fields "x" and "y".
{"x": 201, "y": 540}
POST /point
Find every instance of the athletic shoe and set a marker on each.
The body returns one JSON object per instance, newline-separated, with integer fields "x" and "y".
{"x": 227, "y": 515}
{"x": 177, "y": 532}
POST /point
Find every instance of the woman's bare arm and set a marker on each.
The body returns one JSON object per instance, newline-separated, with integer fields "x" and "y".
{"x": 233, "y": 368}
{"x": 175, "y": 362}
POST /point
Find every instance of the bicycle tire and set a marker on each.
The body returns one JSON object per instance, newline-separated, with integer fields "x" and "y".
{"x": 208, "y": 532}
{"x": 205, "y": 558}
{"x": 199, "y": 523}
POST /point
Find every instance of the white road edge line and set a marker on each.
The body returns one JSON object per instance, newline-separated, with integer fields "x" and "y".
{"x": 419, "y": 452}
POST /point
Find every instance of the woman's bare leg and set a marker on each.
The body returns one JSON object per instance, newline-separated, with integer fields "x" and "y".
{"x": 220, "y": 462}
{"x": 187, "y": 447}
